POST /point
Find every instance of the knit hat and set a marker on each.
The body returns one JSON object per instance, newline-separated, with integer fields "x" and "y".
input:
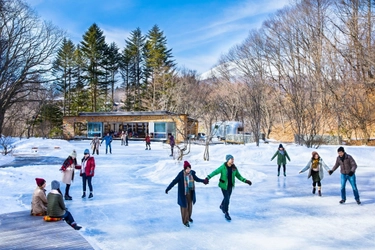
{"x": 341, "y": 149}
{"x": 281, "y": 146}
{"x": 55, "y": 185}
{"x": 86, "y": 151}
{"x": 186, "y": 165}
{"x": 314, "y": 153}
{"x": 40, "y": 181}
{"x": 228, "y": 157}
{"x": 74, "y": 154}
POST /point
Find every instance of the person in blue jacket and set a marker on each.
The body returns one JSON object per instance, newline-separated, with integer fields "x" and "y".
{"x": 186, "y": 191}
{"x": 108, "y": 141}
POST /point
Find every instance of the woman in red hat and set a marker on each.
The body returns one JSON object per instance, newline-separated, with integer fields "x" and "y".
{"x": 39, "y": 200}
{"x": 186, "y": 191}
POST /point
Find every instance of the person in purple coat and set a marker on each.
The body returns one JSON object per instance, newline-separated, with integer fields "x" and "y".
{"x": 186, "y": 191}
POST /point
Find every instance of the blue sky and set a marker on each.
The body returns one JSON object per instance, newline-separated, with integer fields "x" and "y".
{"x": 198, "y": 31}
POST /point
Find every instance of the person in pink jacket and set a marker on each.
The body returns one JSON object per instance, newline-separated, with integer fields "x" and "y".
{"x": 87, "y": 172}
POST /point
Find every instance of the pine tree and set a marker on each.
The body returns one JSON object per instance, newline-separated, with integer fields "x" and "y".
{"x": 93, "y": 48}
{"x": 63, "y": 71}
{"x": 111, "y": 65}
{"x": 159, "y": 67}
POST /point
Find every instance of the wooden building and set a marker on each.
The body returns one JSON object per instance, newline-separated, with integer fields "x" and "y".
{"x": 157, "y": 123}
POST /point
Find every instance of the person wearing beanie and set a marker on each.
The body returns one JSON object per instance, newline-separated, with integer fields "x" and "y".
{"x": 186, "y": 191}
{"x": 228, "y": 172}
{"x": 87, "y": 172}
{"x": 95, "y": 144}
{"x": 282, "y": 155}
{"x": 315, "y": 167}
{"x": 348, "y": 166}
{"x": 67, "y": 170}
{"x": 39, "y": 200}
{"x": 56, "y": 206}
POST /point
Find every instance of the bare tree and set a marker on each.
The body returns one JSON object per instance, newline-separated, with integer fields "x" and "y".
{"x": 27, "y": 47}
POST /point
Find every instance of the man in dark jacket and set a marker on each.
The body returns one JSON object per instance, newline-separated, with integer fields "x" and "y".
{"x": 347, "y": 169}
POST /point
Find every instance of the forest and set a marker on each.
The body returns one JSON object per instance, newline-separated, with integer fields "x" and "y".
{"x": 308, "y": 71}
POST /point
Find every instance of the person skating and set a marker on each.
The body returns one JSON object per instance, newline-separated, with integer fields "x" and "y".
{"x": 186, "y": 191}
{"x": 171, "y": 142}
{"x": 56, "y": 206}
{"x": 315, "y": 167}
{"x": 95, "y": 144}
{"x": 68, "y": 172}
{"x": 39, "y": 200}
{"x": 148, "y": 142}
{"x": 108, "y": 140}
{"x": 228, "y": 172}
{"x": 87, "y": 172}
{"x": 348, "y": 166}
{"x": 282, "y": 155}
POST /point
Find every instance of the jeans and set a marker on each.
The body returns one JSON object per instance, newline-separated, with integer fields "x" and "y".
{"x": 352, "y": 181}
{"x": 88, "y": 180}
{"x": 225, "y": 203}
{"x": 68, "y": 217}
{"x": 106, "y": 148}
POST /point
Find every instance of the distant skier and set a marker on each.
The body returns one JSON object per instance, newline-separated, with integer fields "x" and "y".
{"x": 282, "y": 155}
{"x": 148, "y": 142}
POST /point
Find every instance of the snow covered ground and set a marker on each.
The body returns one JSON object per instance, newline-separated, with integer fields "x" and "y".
{"x": 130, "y": 209}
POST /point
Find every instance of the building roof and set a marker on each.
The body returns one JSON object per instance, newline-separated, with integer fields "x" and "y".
{"x": 141, "y": 113}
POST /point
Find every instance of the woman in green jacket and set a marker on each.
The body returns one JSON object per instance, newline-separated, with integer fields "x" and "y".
{"x": 282, "y": 155}
{"x": 227, "y": 173}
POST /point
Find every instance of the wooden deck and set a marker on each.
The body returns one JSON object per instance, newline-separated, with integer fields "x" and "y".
{"x": 20, "y": 230}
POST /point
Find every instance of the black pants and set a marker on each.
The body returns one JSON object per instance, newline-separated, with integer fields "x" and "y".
{"x": 225, "y": 203}
{"x": 88, "y": 180}
{"x": 279, "y": 166}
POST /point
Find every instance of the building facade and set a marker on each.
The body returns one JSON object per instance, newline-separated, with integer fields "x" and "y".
{"x": 138, "y": 123}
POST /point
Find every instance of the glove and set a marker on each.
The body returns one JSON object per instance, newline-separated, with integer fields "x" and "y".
{"x": 330, "y": 172}
{"x": 166, "y": 191}
{"x": 205, "y": 182}
{"x": 351, "y": 173}
{"x": 248, "y": 182}
{"x": 91, "y": 172}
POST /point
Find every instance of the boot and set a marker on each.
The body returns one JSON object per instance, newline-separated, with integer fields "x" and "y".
{"x": 75, "y": 226}
{"x": 84, "y": 195}
{"x": 227, "y": 216}
{"x": 320, "y": 191}
{"x": 314, "y": 189}
{"x": 278, "y": 173}
{"x": 90, "y": 195}
{"x": 68, "y": 198}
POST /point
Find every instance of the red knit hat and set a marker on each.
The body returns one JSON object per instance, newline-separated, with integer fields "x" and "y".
{"x": 40, "y": 181}
{"x": 186, "y": 165}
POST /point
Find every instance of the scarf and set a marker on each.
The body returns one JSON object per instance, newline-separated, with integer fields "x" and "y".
{"x": 282, "y": 152}
{"x": 188, "y": 182}
{"x": 315, "y": 164}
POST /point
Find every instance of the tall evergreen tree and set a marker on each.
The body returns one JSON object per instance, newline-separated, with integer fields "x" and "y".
{"x": 159, "y": 66}
{"x": 63, "y": 71}
{"x": 93, "y": 48}
{"x": 125, "y": 65}
{"x": 111, "y": 65}
{"x": 134, "y": 47}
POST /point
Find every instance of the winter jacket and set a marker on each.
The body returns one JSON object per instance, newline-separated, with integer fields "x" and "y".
{"x": 281, "y": 158}
{"x": 95, "y": 143}
{"x": 321, "y": 164}
{"x": 347, "y": 165}
{"x": 39, "y": 201}
{"x": 148, "y": 139}
{"x": 56, "y": 206}
{"x": 89, "y": 168}
{"x": 107, "y": 139}
{"x": 68, "y": 170}
{"x": 171, "y": 141}
{"x": 181, "y": 197}
{"x": 223, "y": 171}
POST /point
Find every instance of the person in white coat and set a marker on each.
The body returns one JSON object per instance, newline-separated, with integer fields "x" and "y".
{"x": 67, "y": 170}
{"x": 315, "y": 167}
